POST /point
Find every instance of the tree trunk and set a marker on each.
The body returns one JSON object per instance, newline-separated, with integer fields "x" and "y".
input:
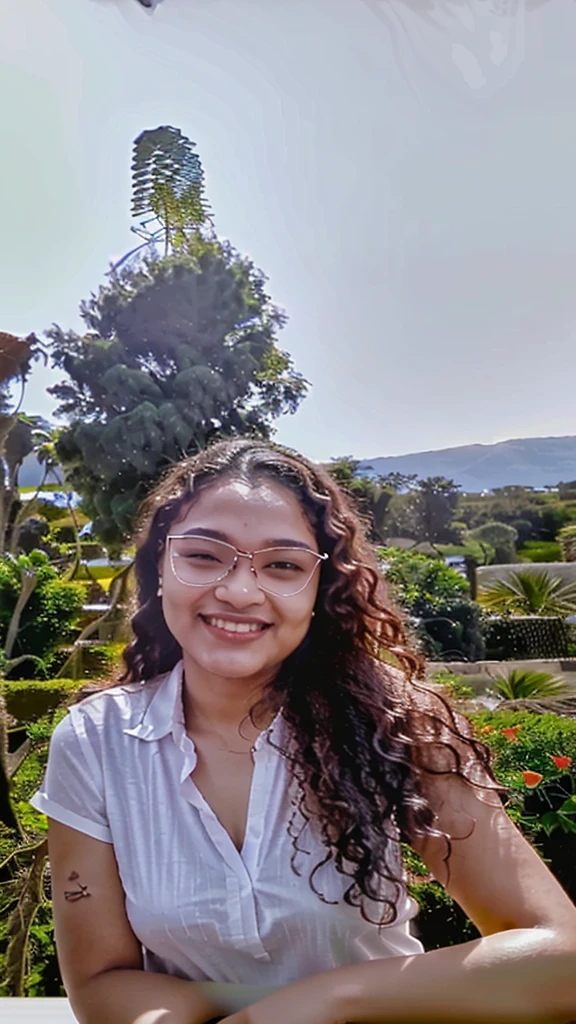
{"x": 29, "y": 581}
{"x": 21, "y": 920}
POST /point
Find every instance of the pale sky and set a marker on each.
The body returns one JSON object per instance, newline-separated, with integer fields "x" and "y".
{"x": 407, "y": 186}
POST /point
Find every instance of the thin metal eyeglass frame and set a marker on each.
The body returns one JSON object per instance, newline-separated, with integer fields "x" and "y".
{"x": 240, "y": 554}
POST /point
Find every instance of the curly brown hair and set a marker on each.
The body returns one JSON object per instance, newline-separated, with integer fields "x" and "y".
{"x": 362, "y": 727}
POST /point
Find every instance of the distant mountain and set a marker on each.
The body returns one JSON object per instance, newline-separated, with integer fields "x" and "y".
{"x": 530, "y": 461}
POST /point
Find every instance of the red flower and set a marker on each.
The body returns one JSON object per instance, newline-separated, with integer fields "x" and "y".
{"x": 510, "y": 732}
{"x": 532, "y": 778}
{"x": 561, "y": 762}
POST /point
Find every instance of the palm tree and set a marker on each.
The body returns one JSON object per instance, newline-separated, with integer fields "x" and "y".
{"x": 529, "y": 593}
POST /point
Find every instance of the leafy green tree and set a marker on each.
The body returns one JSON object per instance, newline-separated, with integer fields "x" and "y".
{"x": 344, "y": 470}
{"x": 168, "y": 188}
{"x": 398, "y": 482}
{"x": 567, "y": 490}
{"x": 553, "y": 518}
{"x": 402, "y": 518}
{"x": 370, "y": 497}
{"x": 529, "y": 593}
{"x": 16, "y": 436}
{"x": 33, "y": 434}
{"x": 424, "y": 509}
{"x": 436, "y": 501}
{"x": 500, "y": 538}
{"x": 178, "y": 350}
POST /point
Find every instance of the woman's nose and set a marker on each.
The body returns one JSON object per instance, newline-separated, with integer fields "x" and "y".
{"x": 241, "y": 584}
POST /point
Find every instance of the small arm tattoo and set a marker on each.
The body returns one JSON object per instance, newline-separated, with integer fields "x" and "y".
{"x": 76, "y": 894}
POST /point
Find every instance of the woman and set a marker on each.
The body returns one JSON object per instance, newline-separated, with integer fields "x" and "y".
{"x": 225, "y": 827}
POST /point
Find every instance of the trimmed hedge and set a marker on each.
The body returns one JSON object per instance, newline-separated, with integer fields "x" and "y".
{"x": 30, "y": 699}
{"x": 526, "y": 636}
{"x": 540, "y": 551}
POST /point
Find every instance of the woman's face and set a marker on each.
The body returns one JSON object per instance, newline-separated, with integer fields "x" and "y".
{"x": 201, "y": 618}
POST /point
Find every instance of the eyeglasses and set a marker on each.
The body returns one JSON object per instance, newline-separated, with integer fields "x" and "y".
{"x": 200, "y": 562}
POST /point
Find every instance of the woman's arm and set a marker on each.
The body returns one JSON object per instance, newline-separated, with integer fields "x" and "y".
{"x": 141, "y": 997}
{"x": 518, "y": 977}
{"x": 99, "y": 955}
{"x": 522, "y": 970}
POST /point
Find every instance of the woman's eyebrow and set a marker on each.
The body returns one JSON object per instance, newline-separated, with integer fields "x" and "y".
{"x": 275, "y": 542}
{"x": 199, "y": 531}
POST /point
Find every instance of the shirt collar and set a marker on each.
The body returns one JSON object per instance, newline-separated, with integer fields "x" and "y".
{"x": 164, "y": 710}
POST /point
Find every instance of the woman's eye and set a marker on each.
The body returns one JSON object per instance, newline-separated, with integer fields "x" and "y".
{"x": 286, "y": 566}
{"x": 198, "y": 556}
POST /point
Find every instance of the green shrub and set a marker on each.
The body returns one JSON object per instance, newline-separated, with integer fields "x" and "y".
{"x": 546, "y": 810}
{"x": 50, "y": 614}
{"x": 540, "y": 551}
{"x": 421, "y": 583}
{"x": 441, "y": 922}
{"x": 438, "y": 597}
{"x": 452, "y": 632}
{"x": 454, "y": 684}
{"x": 539, "y": 736}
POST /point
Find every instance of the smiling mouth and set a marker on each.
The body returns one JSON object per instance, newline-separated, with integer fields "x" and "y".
{"x": 235, "y": 627}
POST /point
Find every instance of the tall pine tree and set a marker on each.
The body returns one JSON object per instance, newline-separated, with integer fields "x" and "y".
{"x": 180, "y": 348}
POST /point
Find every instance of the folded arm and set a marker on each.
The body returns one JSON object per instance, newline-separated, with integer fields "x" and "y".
{"x": 521, "y": 971}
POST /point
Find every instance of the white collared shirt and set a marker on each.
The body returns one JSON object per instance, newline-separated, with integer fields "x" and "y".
{"x": 119, "y": 769}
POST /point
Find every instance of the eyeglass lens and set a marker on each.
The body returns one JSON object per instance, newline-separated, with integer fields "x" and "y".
{"x": 198, "y": 561}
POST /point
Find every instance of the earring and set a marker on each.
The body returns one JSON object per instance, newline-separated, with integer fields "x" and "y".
{"x": 159, "y": 591}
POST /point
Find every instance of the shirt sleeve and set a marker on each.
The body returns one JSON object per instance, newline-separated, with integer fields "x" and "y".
{"x": 72, "y": 791}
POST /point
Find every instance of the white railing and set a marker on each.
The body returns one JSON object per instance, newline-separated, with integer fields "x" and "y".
{"x": 36, "y": 1011}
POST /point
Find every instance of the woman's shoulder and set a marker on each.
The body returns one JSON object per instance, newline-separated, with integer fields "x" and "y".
{"x": 121, "y": 705}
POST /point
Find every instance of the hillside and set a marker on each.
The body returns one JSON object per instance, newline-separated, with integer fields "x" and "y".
{"x": 531, "y": 462}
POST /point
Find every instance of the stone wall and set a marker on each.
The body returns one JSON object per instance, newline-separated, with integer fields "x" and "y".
{"x": 479, "y": 674}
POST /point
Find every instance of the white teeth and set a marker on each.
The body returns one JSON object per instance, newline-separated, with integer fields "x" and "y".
{"x": 236, "y": 627}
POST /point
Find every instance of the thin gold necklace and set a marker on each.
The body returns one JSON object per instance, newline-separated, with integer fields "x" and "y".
{"x": 223, "y": 750}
